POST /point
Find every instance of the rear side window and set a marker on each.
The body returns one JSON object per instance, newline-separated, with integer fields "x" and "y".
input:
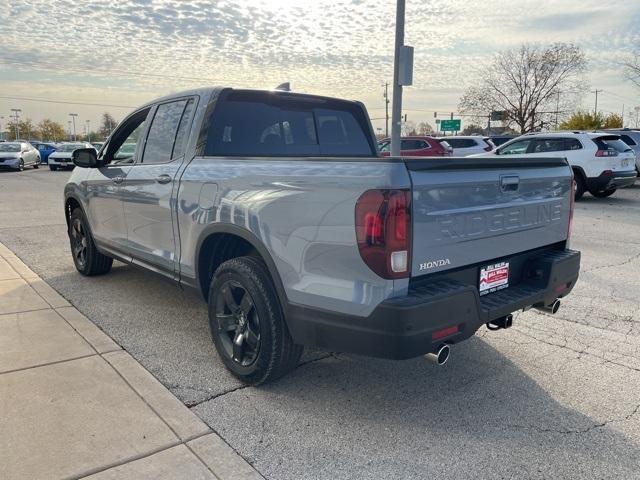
{"x": 462, "y": 142}
{"x": 162, "y": 133}
{"x": 544, "y": 145}
{"x": 413, "y": 145}
{"x": 267, "y": 124}
{"x": 183, "y": 130}
{"x": 572, "y": 144}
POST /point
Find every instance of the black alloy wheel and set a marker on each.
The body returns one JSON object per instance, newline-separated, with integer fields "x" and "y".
{"x": 238, "y": 323}
{"x": 79, "y": 243}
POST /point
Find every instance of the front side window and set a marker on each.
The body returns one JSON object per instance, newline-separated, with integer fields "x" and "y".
{"x": 516, "y": 148}
{"x": 266, "y": 124}
{"x": 122, "y": 145}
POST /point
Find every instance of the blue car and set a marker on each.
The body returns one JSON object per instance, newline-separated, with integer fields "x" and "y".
{"x": 45, "y": 150}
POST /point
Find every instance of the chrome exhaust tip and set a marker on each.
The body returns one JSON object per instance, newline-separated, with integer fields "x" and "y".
{"x": 440, "y": 356}
{"x": 551, "y": 308}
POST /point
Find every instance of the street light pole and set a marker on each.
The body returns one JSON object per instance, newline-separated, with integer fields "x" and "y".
{"x": 1, "y": 131}
{"x": 16, "y": 112}
{"x": 89, "y": 130}
{"x": 396, "y": 108}
{"x": 386, "y": 109}
{"x": 73, "y": 119}
{"x": 595, "y": 110}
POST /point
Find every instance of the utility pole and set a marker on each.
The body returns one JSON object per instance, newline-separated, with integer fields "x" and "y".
{"x": 16, "y": 112}
{"x": 89, "y": 130}
{"x": 557, "y": 108}
{"x": 595, "y": 110}
{"x": 396, "y": 110}
{"x": 1, "y": 131}
{"x": 73, "y": 119}
{"x": 386, "y": 109}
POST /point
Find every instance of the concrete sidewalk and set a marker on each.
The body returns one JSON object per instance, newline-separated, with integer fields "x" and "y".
{"x": 73, "y": 404}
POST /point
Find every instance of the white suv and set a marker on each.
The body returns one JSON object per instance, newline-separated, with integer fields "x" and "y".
{"x": 463, "y": 146}
{"x": 601, "y": 162}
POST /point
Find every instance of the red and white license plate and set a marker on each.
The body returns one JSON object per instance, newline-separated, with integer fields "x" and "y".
{"x": 494, "y": 277}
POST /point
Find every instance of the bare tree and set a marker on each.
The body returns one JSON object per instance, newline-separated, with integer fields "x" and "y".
{"x": 424, "y": 128}
{"x": 632, "y": 70}
{"x": 408, "y": 128}
{"x": 530, "y": 84}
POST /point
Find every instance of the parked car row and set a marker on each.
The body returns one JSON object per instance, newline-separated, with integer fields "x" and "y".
{"x": 20, "y": 154}
{"x": 602, "y": 162}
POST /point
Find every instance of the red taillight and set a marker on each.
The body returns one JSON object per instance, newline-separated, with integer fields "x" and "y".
{"x": 606, "y": 153}
{"x": 383, "y": 231}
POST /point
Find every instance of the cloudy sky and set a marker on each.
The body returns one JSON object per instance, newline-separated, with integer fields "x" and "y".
{"x": 118, "y": 54}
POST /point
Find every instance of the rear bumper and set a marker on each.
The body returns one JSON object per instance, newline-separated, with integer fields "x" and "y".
{"x": 608, "y": 181}
{"x": 403, "y": 327}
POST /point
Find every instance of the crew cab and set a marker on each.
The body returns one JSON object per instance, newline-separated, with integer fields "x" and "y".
{"x": 278, "y": 209}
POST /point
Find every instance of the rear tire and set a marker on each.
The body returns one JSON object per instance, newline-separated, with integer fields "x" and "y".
{"x": 581, "y": 186}
{"x": 247, "y": 323}
{"x": 603, "y": 193}
{"x": 86, "y": 257}
{"x": 21, "y": 165}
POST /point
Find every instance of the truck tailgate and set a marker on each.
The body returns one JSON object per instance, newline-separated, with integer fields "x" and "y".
{"x": 471, "y": 210}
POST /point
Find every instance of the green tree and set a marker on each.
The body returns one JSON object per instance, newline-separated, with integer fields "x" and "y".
{"x": 583, "y": 120}
{"x": 613, "y": 120}
{"x": 25, "y": 130}
{"x": 50, "y": 130}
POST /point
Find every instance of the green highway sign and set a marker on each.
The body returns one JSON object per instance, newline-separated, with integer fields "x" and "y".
{"x": 450, "y": 125}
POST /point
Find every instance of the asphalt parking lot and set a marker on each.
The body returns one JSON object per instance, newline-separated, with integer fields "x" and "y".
{"x": 553, "y": 397}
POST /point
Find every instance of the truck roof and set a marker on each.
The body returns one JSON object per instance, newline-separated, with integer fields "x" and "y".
{"x": 214, "y": 90}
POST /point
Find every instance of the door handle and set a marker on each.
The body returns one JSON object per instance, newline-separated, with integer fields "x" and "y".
{"x": 118, "y": 180}
{"x": 509, "y": 183}
{"x": 164, "y": 178}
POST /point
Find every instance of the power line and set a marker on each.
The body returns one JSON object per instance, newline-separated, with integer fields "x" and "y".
{"x": 47, "y": 100}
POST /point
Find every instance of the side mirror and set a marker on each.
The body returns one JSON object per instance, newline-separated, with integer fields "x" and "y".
{"x": 85, "y": 157}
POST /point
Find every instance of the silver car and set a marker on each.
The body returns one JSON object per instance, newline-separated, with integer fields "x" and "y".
{"x": 61, "y": 158}
{"x": 17, "y": 155}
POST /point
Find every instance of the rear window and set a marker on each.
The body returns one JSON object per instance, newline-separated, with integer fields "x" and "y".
{"x": 609, "y": 143}
{"x": 268, "y": 124}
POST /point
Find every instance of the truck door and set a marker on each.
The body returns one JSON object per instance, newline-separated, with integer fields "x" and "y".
{"x": 149, "y": 188}
{"x": 104, "y": 185}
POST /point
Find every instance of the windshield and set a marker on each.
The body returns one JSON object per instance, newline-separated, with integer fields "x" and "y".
{"x": 9, "y": 147}
{"x": 70, "y": 147}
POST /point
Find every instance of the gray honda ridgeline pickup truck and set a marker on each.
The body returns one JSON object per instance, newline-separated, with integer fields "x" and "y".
{"x": 277, "y": 208}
